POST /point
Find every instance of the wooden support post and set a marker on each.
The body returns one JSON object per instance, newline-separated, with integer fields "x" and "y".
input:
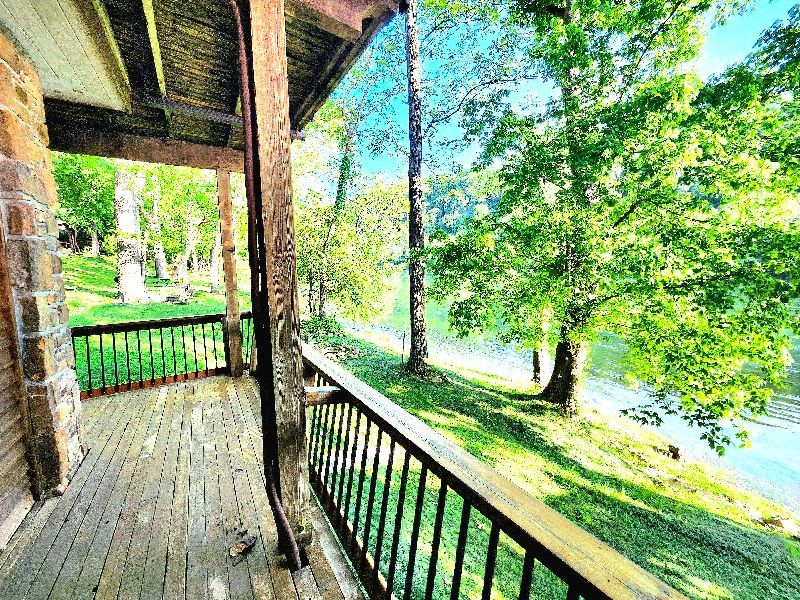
{"x": 233, "y": 327}
{"x": 279, "y": 292}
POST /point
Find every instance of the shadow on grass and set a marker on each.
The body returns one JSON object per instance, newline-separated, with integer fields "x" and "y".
{"x": 598, "y": 479}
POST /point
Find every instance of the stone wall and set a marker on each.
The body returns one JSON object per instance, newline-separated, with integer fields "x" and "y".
{"x": 27, "y": 200}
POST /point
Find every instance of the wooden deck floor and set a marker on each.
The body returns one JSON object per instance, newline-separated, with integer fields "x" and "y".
{"x": 171, "y": 475}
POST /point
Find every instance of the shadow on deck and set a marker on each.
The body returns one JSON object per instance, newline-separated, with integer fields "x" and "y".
{"x": 171, "y": 475}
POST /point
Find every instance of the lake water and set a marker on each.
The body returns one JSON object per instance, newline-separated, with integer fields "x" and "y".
{"x": 770, "y": 467}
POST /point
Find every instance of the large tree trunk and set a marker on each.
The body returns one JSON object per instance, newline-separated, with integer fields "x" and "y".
{"x": 130, "y": 282}
{"x": 95, "y": 242}
{"x": 566, "y": 383}
{"x": 416, "y": 234}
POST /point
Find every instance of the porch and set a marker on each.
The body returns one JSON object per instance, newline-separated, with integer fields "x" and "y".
{"x": 172, "y": 474}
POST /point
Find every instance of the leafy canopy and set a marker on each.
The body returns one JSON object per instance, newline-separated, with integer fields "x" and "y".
{"x": 639, "y": 201}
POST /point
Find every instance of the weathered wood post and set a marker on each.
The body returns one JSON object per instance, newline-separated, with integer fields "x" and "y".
{"x": 233, "y": 329}
{"x": 279, "y": 291}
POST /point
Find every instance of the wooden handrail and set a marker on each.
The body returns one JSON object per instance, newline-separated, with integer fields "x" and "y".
{"x": 590, "y": 567}
{"x": 84, "y": 330}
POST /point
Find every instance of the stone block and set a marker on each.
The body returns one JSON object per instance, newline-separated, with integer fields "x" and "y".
{"x": 38, "y": 357}
{"x": 31, "y": 269}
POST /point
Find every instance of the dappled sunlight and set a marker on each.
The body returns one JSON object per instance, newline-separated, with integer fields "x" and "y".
{"x": 682, "y": 520}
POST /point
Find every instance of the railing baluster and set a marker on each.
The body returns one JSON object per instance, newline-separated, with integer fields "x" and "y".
{"x": 102, "y": 363}
{"x": 318, "y": 436}
{"x": 214, "y": 339}
{"x": 461, "y": 547}
{"x": 412, "y": 549}
{"x": 152, "y": 362}
{"x": 527, "y": 576}
{"x": 185, "y": 354}
{"x": 491, "y": 561}
{"x": 353, "y": 453}
{"x": 139, "y": 350}
{"x": 398, "y": 522}
{"x": 345, "y": 447}
{"x": 128, "y": 360}
{"x": 387, "y": 486}
{"x": 373, "y": 482}
{"x": 328, "y": 456}
{"x": 174, "y": 356}
{"x": 321, "y": 445}
{"x": 116, "y": 366}
{"x": 89, "y": 363}
{"x": 205, "y": 351}
{"x": 338, "y": 451}
{"x": 163, "y": 355}
{"x": 313, "y": 433}
{"x": 572, "y": 593}
{"x": 194, "y": 347}
{"x": 436, "y": 540}
{"x": 360, "y": 488}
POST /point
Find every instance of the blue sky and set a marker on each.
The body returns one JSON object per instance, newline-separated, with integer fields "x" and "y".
{"x": 726, "y": 45}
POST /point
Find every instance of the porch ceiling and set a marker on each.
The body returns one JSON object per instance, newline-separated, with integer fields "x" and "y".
{"x": 179, "y": 60}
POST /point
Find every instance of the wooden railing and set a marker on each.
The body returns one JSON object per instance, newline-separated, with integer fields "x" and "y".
{"x": 126, "y": 356}
{"x": 420, "y": 517}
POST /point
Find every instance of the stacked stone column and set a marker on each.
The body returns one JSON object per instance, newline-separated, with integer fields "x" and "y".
{"x": 27, "y": 200}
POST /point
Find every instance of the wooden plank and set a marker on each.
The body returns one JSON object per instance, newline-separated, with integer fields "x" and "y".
{"x": 232, "y": 315}
{"x": 239, "y": 582}
{"x": 175, "y": 577}
{"x": 332, "y": 571}
{"x": 305, "y": 584}
{"x": 216, "y": 544}
{"x": 156, "y": 563}
{"x": 241, "y": 460}
{"x": 82, "y": 140}
{"x": 250, "y": 432}
{"x": 280, "y": 298}
{"x": 342, "y": 18}
{"x": 563, "y": 547}
{"x": 28, "y": 530}
{"x": 153, "y": 466}
{"x": 71, "y": 504}
{"x": 111, "y": 577}
{"x": 196, "y": 571}
{"x": 95, "y": 558}
{"x": 75, "y": 556}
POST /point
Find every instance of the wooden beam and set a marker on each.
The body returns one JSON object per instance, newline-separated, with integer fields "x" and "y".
{"x": 144, "y": 149}
{"x": 342, "y": 18}
{"x": 280, "y": 299}
{"x": 233, "y": 327}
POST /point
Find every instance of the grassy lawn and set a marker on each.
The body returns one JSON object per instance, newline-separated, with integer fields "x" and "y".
{"x": 680, "y": 520}
{"x": 92, "y": 293}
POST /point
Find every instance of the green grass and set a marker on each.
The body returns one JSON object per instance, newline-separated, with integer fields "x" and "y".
{"x": 682, "y": 521}
{"x": 93, "y": 299}
{"x": 153, "y": 354}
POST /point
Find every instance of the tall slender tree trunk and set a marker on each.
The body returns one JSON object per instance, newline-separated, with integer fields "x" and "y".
{"x": 536, "y": 366}
{"x": 95, "y": 242}
{"x": 159, "y": 256}
{"x": 416, "y": 233}
{"x": 130, "y": 282}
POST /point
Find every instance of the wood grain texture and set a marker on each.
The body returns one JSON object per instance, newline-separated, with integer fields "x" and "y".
{"x": 15, "y": 487}
{"x": 279, "y": 263}
{"x": 172, "y": 474}
{"x": 569, "y": 551}
{"x": 232, "y": 314}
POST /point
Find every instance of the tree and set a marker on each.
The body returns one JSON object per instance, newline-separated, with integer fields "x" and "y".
{"x": 127, "y": 201}
{"x": 86, "y": 196}
{"x": 640, "y": 202}
{"x": 416, "y": 234}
